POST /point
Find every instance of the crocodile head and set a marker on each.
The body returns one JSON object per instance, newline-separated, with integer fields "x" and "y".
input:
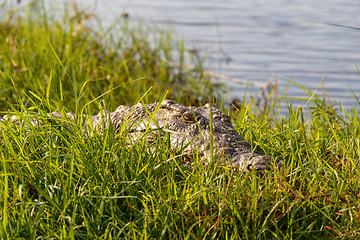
{"x": 193, "y": 130}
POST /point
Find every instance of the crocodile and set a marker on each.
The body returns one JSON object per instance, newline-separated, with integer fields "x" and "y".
{"x": 190, "y": 131}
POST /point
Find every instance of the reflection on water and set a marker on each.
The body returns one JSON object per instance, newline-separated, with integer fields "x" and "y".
{"x": 266, "y": 39}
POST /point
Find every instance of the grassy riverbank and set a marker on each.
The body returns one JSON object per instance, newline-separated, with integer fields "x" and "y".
{"x": 76, "y": 64}
{"x": 57, "y": 183}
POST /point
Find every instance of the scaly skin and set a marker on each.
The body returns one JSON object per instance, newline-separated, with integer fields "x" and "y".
{"x": 189, "y": 129}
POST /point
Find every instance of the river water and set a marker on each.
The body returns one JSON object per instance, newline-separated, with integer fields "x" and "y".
{"x": 265, "y": 39}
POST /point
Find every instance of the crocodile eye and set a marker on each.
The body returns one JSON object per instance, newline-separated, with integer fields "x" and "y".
{"x": 189, "y": 117}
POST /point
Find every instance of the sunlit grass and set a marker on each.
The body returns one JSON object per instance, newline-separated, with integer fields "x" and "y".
{"x": 37, "y": 50}
{"x": 57, "y": 182}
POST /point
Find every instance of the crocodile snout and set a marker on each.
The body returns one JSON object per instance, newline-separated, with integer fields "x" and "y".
{"x": 258, "y": 163}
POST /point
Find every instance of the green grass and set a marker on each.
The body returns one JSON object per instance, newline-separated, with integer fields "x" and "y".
{"x": 64, "y": 55}
{"x": 57, "y": 183}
